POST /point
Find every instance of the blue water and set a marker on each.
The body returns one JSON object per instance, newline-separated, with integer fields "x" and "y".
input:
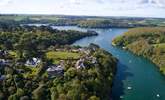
{"x": 133, "y": 71}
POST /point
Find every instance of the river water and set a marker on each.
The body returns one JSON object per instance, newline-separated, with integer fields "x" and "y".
{"x": 136, "y": 77}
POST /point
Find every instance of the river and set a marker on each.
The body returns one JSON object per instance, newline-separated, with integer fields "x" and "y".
{"x": 137, "y": 78}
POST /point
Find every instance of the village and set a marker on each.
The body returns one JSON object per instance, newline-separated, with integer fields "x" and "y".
{"x": 75, "y": 57}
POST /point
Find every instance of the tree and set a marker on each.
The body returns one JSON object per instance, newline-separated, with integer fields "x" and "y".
{"x": 13, "y": 97}
{"x": 40, "y": 93}
{"x": 54, "y": 93}
{"x": 2, "y": 96}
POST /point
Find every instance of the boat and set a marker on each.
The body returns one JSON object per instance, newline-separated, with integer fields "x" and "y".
{"x": 158, "y": 95}
{"x": 121, "y": 97}
{"x": 124, "y": 47}
{"x": 129, "y": 88}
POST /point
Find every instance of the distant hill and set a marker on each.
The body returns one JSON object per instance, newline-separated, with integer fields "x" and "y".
{"x": 85, "y": 21}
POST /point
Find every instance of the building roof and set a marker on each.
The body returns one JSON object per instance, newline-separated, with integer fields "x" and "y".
{"x": 54, "y": 68}
{"x": 32, "y": 62}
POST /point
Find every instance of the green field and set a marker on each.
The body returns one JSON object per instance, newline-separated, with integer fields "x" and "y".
{"x": 56, "y": 56}
{"x": 31, "y": 17}
{"x": 16, "y": 18}
{"x": 13, "y": 53}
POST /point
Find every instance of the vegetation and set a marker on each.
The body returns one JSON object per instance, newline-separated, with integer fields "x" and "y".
{"x": 29, "y": 39}
{"x": 95, "y": 24}
{"x": 82, "y": 21}
{"x": 31, "y": 66}
{"x": 90, "y": 83}
{"x": 62, "y": 55}
{"x": 56, "y": 56}
{"x": 148, "y": 42}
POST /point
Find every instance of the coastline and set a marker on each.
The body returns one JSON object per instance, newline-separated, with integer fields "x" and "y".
{"x": 146, "y": 57}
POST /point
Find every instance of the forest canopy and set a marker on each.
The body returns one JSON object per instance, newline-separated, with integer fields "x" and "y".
{"x": 147, "y": 41}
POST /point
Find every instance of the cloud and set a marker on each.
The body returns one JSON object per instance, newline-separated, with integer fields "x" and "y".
{"x": 86, "y": 7}
{"x": 121, "y": 4}
{"x": 4, "y": 2}
{"x": 86, "y": 1}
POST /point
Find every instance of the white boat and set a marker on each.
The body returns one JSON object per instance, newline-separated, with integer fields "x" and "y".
{"x": 158, "y": 95}
{"x": 121, "y": 97}
{"x": 129, "y": 88}
{"x": 124, "y": 47}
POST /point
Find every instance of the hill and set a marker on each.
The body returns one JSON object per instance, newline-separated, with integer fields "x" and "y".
{"x": 148, "y": 42}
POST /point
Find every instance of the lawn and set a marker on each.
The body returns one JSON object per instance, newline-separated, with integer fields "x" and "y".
{"x": 13, "y": 53}
{"x": 56, "y": 56}
{"x": 32, "y": 17}
{"x": 16, "y": 18}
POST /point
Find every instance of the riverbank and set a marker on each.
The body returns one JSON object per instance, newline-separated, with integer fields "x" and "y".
{"x": 68, "y": 73}
{"x": 39, "y": 63}
{"x": 146, "y": 42}
{"x": 83, "y": 21}
{"x": 139, "y": 73}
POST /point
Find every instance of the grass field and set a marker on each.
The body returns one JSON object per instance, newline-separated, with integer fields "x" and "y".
{"x": 57, "y": 56}
{"x": 32, "y": 17}
{"x": 13, "y": 53}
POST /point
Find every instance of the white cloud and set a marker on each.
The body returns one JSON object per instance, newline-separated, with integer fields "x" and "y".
{"x": 4, "y": 2}
{"x": 121, "y": 4}
{"x": 153, "y": 8}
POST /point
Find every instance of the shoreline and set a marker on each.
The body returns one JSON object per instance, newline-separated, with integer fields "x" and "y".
{"x": 157, "y": 66}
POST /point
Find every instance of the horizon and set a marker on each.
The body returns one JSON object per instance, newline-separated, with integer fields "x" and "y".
{"x": 114, "y": 8}
{"x": 65, "y": 15}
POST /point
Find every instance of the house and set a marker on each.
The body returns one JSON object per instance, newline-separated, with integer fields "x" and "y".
{"x": 4, "y": 62}
{"x": 33, "y": 62}
{"x": 2, "y": 77}
{"x": 84, "y": 50}
{"x": 62, "y": 64}
{"x": 80, "y": 64}
{"x": 60, "y": 50}
{"x": 55, "y": 70}
{"x": 87, "y": 52}
{"x": 75, "y": 50}
{"x": 20, "y": 71}
{"x": 94, "y": 60}
{"x": 3, "y": 53}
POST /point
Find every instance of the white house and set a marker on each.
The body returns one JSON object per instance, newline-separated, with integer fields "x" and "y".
{"x": 33, "y": 62}
{"x": 4, "y": 62}
{"x": 94, "y": 60}
{"x": 3, "y": 52}
{"x": 55, "y": 70}
{"x": 80, "y": 64}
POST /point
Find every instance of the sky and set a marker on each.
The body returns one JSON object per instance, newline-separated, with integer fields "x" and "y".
{"x": 132, "y": 8}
